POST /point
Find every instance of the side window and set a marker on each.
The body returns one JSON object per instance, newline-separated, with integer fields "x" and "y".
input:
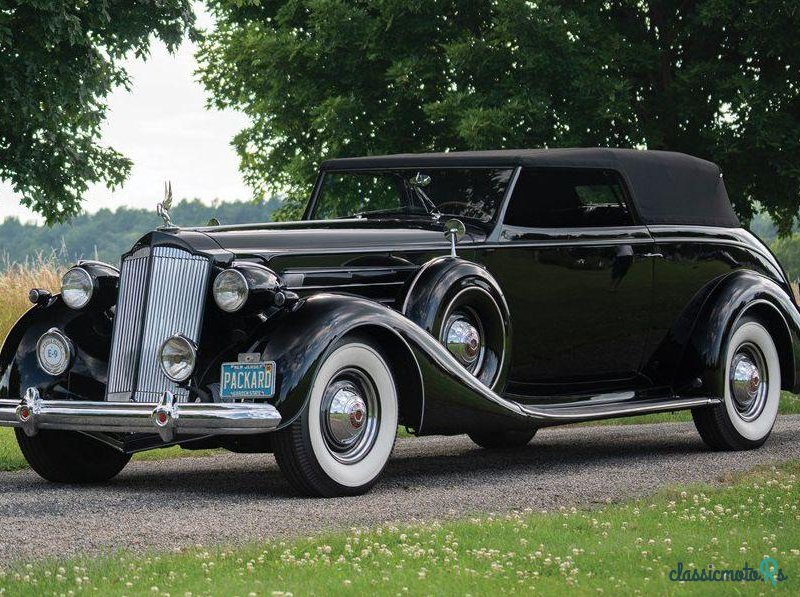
{"x": 568, "y": 198}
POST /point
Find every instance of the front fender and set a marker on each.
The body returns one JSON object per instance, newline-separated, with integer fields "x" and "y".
{"x": 90, "y": 332}
{"x": 739, "y": 293}
{"x": 452, "y": 400}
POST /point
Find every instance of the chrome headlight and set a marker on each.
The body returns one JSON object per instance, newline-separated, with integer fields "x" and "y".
{"x": 177, "y": 357}
{"x": 77, "y": 288}
{"x": 54, "y": 352}
{"x": 231, "y": 290}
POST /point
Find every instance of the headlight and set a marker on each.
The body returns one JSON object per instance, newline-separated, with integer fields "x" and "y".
{"x": 177, "y": 357}
{"x": 54, "y": 352}
{"x": 230, "y": 290}
{"x": 77, "y": 287}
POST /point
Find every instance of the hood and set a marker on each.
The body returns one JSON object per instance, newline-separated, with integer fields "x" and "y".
{"x": 273, "y": 240}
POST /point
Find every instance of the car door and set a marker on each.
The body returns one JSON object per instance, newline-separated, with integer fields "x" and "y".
{"x": 577, "y": 272}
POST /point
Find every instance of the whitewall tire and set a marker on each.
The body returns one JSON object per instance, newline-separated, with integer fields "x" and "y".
{"x": 343, "y": 439}
{"x": 751, "y": 393}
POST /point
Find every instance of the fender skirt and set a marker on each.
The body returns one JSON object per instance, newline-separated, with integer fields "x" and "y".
{"x": 446, "y": 398}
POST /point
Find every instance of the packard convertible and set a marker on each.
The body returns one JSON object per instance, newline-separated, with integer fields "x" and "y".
{"x": 486, "y": 293}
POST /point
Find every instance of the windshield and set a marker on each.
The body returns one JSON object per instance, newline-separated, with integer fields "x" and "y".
{"x": 473, "y": 193}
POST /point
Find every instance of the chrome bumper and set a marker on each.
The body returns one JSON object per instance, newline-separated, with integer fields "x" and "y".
{"x": 168, "y": 418}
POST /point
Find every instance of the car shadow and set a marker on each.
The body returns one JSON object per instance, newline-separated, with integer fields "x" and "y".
{"x": 247, "y": 477}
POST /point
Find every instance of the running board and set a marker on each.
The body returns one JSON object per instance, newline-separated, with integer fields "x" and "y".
{"x": 571, "y": 413}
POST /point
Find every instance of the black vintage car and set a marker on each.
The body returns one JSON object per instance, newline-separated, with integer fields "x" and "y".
{"x": 487, "y": 293}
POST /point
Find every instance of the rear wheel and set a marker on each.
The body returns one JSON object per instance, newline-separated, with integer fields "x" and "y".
{"x": 751, "y": 394}
{"x": 342, "y": 440}
{"x": 70, "y": 457}
{"x": 503, "y": 440}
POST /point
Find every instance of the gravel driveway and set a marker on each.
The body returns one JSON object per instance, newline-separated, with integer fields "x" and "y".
{"x": 230, "y": 497}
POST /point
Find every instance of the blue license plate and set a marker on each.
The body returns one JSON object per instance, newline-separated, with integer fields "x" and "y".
{"x": 247, "y": 380}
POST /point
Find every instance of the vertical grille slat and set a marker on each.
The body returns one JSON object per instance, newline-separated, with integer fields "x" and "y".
{"x": 162, "y": 293}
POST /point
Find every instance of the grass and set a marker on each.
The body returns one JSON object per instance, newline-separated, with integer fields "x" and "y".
{"x": 614, "y": 549}
{"x": 17, "y": 280}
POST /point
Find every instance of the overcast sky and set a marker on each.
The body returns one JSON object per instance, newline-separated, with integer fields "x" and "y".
{"x": 162, "y": 125}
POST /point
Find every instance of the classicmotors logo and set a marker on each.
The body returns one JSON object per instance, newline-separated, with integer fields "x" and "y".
{"x": 768, "y": 571}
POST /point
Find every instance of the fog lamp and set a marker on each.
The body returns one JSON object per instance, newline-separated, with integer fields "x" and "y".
{"x": 177, "y": 357}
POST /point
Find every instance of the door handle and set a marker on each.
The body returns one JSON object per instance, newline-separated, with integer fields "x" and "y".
{"x": 653, "y": 255}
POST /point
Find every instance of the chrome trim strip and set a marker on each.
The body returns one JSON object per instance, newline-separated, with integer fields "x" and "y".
{"x": 113, "y": 417}
{"x": 585, "y": 412}
{"x": 337, "y": 286}
{"x": 494, "y": 235}
{"x": 347, "y": 270}
{"x": 415, "y": 279}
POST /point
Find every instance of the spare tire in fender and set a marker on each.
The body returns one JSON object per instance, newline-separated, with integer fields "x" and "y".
{"x": 452, "y": 299}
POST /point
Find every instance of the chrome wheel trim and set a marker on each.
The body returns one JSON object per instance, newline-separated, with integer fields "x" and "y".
{"x": 492, "y": 343}
{"x": 350, "y": 415}
{"x": 463, "y": 336}
{"x": 759, "y": 427}
{"x": 749, "y": 381}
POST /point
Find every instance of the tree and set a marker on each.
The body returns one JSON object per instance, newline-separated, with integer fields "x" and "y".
{"x": 58, "y": 63}
{"x": 787, "y": 250}
{"x": 719, "y": 79}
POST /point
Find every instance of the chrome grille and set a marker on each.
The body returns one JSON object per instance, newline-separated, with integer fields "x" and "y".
{"x": 162, "y": 293}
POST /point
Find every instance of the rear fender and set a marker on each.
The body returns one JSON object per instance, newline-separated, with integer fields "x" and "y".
{"x": 742, "y": 293}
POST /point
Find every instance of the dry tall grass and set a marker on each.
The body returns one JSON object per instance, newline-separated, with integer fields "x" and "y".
{"x": 16, "y": 281}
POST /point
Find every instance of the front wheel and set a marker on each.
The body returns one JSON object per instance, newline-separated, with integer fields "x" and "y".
{"x": 341, "y": 442}
{"x": 752, "y": 391}
{"x": 70, "y": 457}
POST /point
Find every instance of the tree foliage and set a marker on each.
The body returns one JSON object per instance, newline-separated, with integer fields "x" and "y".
{"x": 320, "y": 78}
{"x": 58, "y": 63}
{"x": 107, "y": 234}
{"x": 787, "y": 250}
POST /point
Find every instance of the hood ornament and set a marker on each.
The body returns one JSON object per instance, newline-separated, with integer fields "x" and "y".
{"x": 163, "y": 208}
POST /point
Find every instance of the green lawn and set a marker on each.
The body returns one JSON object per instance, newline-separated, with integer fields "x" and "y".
{"x": 610, "y": 550}
{"x": 11, "y": 459}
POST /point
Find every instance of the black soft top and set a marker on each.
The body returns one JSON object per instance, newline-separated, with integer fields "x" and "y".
{"x": 666, "y": 187}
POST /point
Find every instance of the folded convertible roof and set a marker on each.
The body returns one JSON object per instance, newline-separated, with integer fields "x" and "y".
{"x": 666, "y": 187}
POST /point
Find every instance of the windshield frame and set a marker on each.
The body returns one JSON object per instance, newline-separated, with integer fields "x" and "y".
{"x": 488, "y": 225}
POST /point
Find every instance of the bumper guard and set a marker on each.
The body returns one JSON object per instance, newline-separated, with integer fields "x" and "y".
{"x": 168, "y": 418}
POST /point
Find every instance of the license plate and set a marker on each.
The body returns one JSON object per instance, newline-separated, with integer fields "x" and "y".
{"x": 247, "y": 380}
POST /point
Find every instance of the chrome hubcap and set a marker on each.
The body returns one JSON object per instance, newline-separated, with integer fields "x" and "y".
{"x": 463, "y": 338}
{"x": 748, "y": 381}
{"x": 350, "y": 415}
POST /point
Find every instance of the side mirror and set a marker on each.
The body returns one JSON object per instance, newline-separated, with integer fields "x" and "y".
{"x": 454, "y": 230}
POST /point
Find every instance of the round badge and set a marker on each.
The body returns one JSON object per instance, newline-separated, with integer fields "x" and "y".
{"x": 53, "y": 355}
